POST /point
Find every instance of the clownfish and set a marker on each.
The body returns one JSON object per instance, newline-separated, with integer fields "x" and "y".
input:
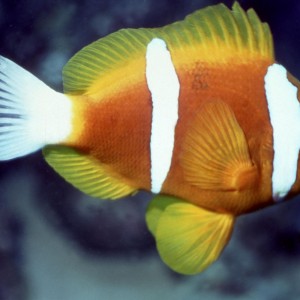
{"x": 197, "y": 112}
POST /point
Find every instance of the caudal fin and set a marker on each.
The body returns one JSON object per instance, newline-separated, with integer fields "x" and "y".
{"x": 32, "y": 115}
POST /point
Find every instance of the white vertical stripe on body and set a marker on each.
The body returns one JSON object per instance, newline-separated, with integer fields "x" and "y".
{"x": 284, "y": 113}
{"x": 164, "y": 86}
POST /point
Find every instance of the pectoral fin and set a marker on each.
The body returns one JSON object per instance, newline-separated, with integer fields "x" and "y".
{"x": 188, "y": 238}
{"x": 215, "y": 153}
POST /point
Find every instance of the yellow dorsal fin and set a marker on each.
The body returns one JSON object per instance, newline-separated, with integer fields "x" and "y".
{"x": 188, "y": 238}
{"x": 240, "y": 34}
{"x": 200, "y": 36}
{"x": 86, "y": 174}
{"x": 215, "y": 152}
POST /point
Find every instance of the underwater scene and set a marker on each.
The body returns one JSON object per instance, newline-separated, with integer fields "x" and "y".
{"x": 58, "y": 241}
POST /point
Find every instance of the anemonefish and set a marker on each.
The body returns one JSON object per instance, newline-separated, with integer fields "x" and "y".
{"x": 197, "y": 112}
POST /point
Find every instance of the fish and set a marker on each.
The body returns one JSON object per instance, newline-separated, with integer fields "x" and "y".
{"x": 197, "y": 112}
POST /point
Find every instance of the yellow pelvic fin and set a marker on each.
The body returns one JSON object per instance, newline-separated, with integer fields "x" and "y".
{"x": 188, "y": 238}
{"x": 215, "y": 152}
{"x": 213, "y": 33}
{"x": 86, "y": 174}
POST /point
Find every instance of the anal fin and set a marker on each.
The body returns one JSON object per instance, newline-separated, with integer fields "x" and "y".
{"x": 188, "y": 238}
{"x": 86, "y": 174}
{"x": 215, "y": 152}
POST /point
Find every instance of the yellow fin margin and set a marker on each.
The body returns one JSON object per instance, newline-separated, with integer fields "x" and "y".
{"x": 188, "y": 238}
{"x": 86, "y": 174}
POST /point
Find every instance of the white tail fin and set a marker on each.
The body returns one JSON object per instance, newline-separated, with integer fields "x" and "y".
{"x": 32, "y": 115}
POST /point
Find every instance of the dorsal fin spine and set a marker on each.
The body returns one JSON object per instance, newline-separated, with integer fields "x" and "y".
{"x": 227, "y": 21}
{"x": 243, "y": 22}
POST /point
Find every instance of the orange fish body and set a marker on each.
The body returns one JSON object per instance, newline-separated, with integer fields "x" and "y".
{"x": 191, "y": 111}
{"x": 122, "y": 111}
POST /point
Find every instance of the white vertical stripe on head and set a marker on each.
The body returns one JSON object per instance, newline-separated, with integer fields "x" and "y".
{"x": 164, "y": 86}
{"x": 284, "y": 113}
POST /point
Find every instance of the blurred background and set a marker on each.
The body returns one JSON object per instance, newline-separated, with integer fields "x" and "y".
{"x": 56, "y": 243}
